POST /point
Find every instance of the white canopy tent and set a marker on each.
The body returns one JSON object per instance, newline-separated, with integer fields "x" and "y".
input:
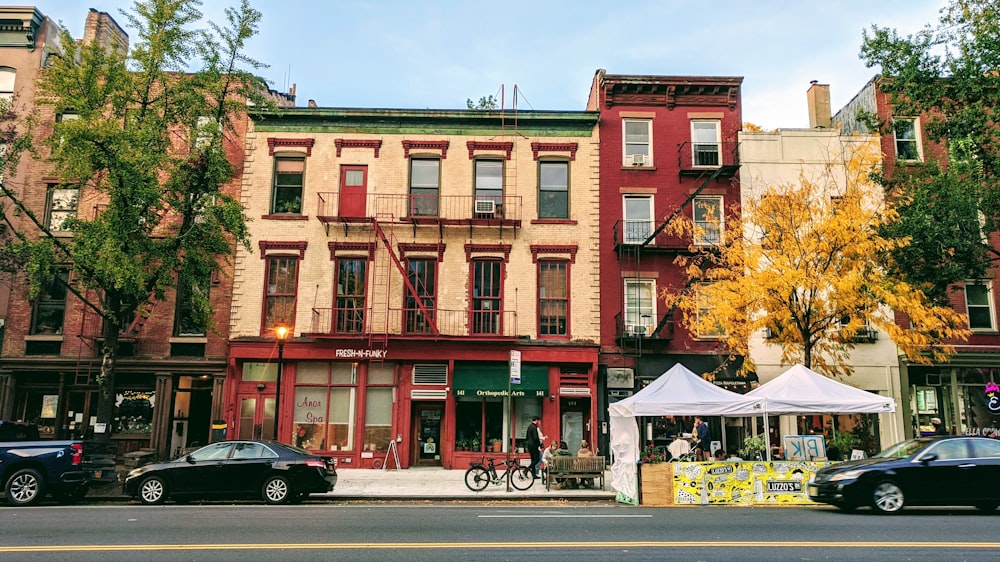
{"x": 800, "y": 390}
{"x": 676, "y": 392}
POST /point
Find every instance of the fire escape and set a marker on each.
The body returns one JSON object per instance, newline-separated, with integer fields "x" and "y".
{"x": 636, "y": 241}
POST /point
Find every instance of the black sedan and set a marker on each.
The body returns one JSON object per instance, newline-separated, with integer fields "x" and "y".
{"x": 950, "y": 470}
{"x": 275, "y": 472}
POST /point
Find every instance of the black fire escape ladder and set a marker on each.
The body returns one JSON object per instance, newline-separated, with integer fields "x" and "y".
{"x": 680, "y": 208}
{"x": 410, "y": 289}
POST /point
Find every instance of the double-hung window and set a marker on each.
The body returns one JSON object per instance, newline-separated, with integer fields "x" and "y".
{"x": 7, "y": 78}
{"x": 704, "y": 307}
{"x": 708, "y": 220}
{"x": 286, "y": 197}
{"x": 62, "y": 204}
{"x": 422, "y": 275}
{"x": 50, "y": 306}
{"x": 487, "y": 297}
{"x": 638, "y": 142}
{"x": 907, "y": 136}
{"x": 706, "y": 144}
{"x": 979, "y": 305}
{"x": 553, "y": 190}
{"x": 425, "y": 181}
{"x": 553, "y": 298}
{"x": 638, "y": 213}
{"x": 489, "y": 188}
{"x": 640, "y": 306}
{"x": 351, "y": 287}
{"x": 279, "y": 298}
{"x": 188, "y": 320}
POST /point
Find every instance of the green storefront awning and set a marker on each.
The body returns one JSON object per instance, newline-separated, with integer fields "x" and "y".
{"x": 480, "y": 379}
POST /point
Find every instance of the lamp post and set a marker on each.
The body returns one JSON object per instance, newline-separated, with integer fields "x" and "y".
{"x": 281, "y": 333}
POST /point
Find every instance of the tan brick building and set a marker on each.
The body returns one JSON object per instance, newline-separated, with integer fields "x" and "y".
{"x": 411, "y": 252}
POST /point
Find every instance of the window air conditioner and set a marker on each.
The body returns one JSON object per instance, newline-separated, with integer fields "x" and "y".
{"x": 638, "y": 159}
{"x": 486, "y": 207}
{"x": 635, "y": 330}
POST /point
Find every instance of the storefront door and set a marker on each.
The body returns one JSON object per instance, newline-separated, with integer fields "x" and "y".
{"x": 81, "y": 414}
{"x": 574, "y": 422}
{"x": 256, "y": 419}
{"x": 427, "y": 444}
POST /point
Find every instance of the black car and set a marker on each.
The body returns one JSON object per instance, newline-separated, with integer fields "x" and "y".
{"x": 947, "y": 470}
{"x": 276, "y": 472}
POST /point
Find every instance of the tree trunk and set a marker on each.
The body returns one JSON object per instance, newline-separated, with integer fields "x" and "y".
{"x": 106, "y": 382}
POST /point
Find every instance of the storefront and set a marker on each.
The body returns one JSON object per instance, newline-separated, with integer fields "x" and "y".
{"x": 965, "y": 399}
{"x": 367, "y": 409}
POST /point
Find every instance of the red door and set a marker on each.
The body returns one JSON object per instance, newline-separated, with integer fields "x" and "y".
{"x": 256, "y": 419}
{"x": 353, "y": 191}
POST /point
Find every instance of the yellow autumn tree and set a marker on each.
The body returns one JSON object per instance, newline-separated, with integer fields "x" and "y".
{"x": 801, "y": 260}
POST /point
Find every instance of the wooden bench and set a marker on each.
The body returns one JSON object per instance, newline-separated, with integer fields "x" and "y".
{"x": 574, "y": 467}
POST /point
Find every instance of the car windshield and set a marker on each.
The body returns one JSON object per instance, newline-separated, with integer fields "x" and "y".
{"x": 904, "y": 449}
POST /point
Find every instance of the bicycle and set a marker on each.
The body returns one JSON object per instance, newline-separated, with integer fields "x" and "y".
{"x": 482, "y": 474}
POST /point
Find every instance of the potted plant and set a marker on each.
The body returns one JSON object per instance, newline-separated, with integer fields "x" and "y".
{"x": 753, "y": 448}
{"x": 496, "y": 445}
{"x": 461, "y": 444}
{"x": 475, "y": 443}
{"x": 839, "y": 448}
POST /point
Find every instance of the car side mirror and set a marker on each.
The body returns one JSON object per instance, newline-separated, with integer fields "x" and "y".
{"x": 928, "y": 458}
{"x": 189, "y": 459}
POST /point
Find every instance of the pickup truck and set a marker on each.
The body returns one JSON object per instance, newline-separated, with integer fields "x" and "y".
{"x": 31, "y": 468}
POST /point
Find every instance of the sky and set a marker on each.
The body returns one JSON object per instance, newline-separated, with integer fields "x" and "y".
{"x": 436, "y": 54}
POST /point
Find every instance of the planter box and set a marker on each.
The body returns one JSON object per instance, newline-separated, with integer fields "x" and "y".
{"x": 657, "y": 484}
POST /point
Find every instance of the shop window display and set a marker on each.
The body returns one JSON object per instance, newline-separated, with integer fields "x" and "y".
{"x": 480, "y": 422}
{"x": 324, "y": 408}
{"x": 378, "y": 407}
{"x": 134, "y": 411}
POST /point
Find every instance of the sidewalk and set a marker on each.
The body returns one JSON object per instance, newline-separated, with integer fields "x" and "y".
{"x": 420, "y": 483}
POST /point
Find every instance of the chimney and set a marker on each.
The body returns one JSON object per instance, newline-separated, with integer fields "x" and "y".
{"x": 103, "y": 29}
{"x": 312, "y": 103}
{"x": 818, "y": 98}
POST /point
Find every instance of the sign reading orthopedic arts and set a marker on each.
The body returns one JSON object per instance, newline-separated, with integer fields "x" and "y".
{"x": 486, "y": 379}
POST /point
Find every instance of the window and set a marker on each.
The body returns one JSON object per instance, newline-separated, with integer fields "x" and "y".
{"x": 282, "y": 282}
{"x": 479, "y": 422}
{"x": 486, "y": 296}
{"x": 979, "y": 305}
{"x": 187, "y": 321}
{"x": 638, "y": 212}
{"x": 708, "y": 221}
{"x": 351, "y": 287}
{"x": 907, "y": 139}
{"x": 425, "y": 179}
{"x": 324, "y": 412}
{"x": 489, "y": 188}
{"x": 704, "y": 306}
{"x": 7, "y": 76}
{"x": 61, "y": 205}
{"x": 705, "y": 144}
{"x": 553, "y": 190}
{"x": 638, "y": 142}
{"x": 378, "y": 407}
{"x": 422, "y": 274}
{"x": 288, "y": 174}
{"x": 553, "y": 298}
{"x": 50, "y": 306}
{"x": 133, "y": 412}
{"x": 640, "y": 306}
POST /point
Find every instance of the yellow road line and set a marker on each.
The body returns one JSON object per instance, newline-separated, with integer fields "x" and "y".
{"x": 497, "y": 545}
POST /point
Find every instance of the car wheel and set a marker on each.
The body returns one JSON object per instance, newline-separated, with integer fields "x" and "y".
{"x": 987, "y": 507}
{"x": 153, "y": 491}
{"x": 276, "y": 490}
{"x": 25, "y": 487}
{"x": 887, "y": 497}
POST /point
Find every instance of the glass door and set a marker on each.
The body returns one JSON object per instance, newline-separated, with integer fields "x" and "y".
{"x": 256, "y": 419}
{"x": 427, "y": 438}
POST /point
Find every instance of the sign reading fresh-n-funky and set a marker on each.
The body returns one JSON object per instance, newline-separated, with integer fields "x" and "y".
{"x": 361, "y": 353}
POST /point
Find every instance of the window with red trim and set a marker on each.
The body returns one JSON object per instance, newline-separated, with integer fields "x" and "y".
{"x": 487, "y": 296}
{"x": 422, "y": 274}
{"x": 351, "y": 287}
{"x": 279, "y": 298}
{"x": 425, "y": 180}
{"x": 553, "y": 298}
{"x": 288, "y": 180}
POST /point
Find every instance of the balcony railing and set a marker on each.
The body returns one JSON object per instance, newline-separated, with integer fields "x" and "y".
{"x": 644, "y": 330}
{"x": 636, "y": 232}
{"x": 412, "y": 322}
{"x": 424, "y": 208}
{"x": 697, "y": 158}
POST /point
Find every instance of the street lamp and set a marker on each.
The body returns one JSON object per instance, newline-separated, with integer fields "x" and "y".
{"x": 281, "y": 333}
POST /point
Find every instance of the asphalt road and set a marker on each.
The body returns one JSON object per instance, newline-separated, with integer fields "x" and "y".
{"x": 486, "y": 531}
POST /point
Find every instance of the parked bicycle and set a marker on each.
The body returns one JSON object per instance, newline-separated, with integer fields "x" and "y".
{"x": 482, "y": 474}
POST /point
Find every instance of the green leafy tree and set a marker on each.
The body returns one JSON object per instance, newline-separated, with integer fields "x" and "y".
{"x": 148, "y": 143}
{"x": 488, "y": 103}
{"x": 948, "y": 74}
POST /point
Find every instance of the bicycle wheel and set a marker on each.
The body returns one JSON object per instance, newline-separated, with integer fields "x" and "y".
{"x": 522, "y": 477}
{"x": 477, "y": 478}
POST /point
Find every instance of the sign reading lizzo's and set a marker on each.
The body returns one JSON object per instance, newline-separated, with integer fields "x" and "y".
{"x": 362, "y": 353}
{"x": 784, "y": 486}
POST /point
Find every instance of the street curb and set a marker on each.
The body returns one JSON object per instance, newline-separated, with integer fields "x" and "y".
{"x": 381, "y": 499}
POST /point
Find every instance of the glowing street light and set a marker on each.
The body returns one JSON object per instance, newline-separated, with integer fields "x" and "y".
{"x": 281, "y": 333}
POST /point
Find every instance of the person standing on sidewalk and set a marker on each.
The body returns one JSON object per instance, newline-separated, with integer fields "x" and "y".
{"x": 702, "y": 438}
{"x": 533, "y": 441}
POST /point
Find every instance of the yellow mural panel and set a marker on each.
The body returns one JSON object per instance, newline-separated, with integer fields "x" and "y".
{"x": 743, "y": 482}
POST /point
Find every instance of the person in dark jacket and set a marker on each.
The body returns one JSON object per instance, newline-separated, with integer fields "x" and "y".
{"x": 533, "y": 441}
